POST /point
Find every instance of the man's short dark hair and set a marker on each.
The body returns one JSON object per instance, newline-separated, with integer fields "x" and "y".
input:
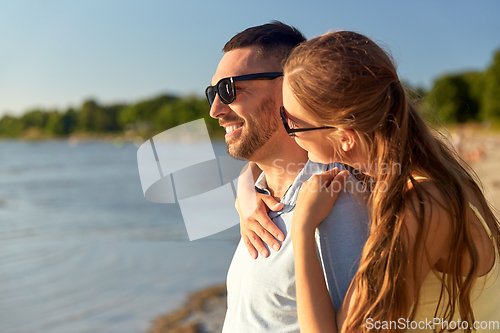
{"x": 274, "y": 40}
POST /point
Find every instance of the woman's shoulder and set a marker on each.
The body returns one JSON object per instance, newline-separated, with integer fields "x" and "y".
{"x": 428, "y": 222}
{"x": 426, "y": 198}
{"x": 440, "y": 220}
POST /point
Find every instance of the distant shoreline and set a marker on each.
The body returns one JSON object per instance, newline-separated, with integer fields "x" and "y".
{"x": 74, "y": 139}
{"x": 84, "y": 136}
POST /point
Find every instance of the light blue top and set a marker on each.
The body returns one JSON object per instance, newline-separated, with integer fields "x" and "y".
{"x": 261, "y": 292}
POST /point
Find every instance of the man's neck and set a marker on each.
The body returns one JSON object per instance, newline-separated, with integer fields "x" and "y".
{"x": 281, "y": 165}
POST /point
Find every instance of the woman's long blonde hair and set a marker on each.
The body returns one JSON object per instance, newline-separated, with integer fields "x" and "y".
{"x": 346, "y": 80}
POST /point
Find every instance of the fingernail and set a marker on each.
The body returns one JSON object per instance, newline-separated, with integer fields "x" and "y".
{"x": 276, "y": 247}
{"x": 281, "y": 237}
{"x": 264, "y": 254}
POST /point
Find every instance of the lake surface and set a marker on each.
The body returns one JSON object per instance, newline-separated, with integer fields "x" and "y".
{"x": 81, "y": 250}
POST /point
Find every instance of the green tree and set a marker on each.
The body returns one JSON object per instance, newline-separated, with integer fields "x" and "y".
{"x": 69, "y": 121}
{"x": 10, "y": 126}
{"x": 143, "y": 111}
{"x": 167, "y": 117}
{"x": 476, "y": 84}
{"x": 184, "y": 110}
{"x": 107, "y": 118}
{"x": 87, "y": 116}
{"x": 452, "y": 99}
{"x": 34, "y": 118}
{"x": 54, "y": 125}
{"x": 491, "y": 96}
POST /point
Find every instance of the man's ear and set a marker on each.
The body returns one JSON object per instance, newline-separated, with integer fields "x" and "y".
{"x": 347, "y": 139}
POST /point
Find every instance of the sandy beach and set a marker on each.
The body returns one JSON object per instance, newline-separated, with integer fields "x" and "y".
{"x": 204, "y": 311}
{"x": 482, "y": 152}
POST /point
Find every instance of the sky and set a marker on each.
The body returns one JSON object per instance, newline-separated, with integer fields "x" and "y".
{"x": 55, "y": 54}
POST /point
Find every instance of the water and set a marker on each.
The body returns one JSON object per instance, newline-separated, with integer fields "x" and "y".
{"x": 81, "y": 250}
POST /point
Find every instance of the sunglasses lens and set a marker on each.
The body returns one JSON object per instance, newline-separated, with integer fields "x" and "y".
{"x": 210, "y": 93}
{"x": 226, "y": 91}
{"x": 284, "y": 119}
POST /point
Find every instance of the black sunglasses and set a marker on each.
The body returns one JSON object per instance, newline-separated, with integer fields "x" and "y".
{"x": 225, "y": 86}
{"x": 291, "y": 131}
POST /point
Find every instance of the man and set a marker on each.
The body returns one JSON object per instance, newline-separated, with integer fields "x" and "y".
{"x": 246, "y": 96}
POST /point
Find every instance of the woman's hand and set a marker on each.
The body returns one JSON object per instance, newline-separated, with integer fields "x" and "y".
{"x": 316, "y": 199}
{"x": 258, "y": 227}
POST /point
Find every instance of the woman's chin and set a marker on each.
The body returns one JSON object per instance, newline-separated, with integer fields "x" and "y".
{"x": 320, "y": 159}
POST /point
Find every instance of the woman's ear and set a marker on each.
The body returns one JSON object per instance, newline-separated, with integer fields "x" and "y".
{"x": 347, "y": 139}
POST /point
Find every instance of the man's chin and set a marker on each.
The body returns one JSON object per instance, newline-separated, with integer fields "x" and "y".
{"x": 234, "y": 152}
{"x": 239, "y": 158}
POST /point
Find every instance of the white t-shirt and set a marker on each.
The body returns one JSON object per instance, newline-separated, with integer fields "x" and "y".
{"x": 261, "y": 292}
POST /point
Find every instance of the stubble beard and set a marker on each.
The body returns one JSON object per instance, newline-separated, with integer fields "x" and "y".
{"x": 259, "y": 129}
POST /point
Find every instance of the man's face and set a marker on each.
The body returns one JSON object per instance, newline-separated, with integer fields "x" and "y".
{"x": 252, "y": 119}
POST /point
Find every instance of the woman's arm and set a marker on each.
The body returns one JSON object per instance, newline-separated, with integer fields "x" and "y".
{"x": 314, "y": 306}
{"x": 317, "y": 196}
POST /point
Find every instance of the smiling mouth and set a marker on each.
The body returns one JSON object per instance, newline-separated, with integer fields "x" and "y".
{"x": 230, "y": 129}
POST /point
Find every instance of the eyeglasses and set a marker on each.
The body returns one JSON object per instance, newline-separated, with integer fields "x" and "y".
{"x": 291, "y": 131}
{"x": 225, "y": 86}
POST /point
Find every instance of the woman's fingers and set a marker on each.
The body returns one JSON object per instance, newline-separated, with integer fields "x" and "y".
{"x": 338, "y": 182}
{"x": 331, "y": 181}
{"x": 317, "y": 198}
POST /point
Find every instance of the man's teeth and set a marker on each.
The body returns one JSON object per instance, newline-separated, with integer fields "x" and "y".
{"x": 230, "y": 129}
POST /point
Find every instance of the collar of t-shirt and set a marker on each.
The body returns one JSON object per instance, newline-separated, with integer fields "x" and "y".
{"x": 290, "y": 197}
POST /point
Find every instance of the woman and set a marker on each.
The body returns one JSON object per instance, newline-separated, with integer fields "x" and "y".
{"x": 432, "y": 252}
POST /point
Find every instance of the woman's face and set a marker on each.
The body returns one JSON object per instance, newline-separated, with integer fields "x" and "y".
{"x": 320, "y": 148}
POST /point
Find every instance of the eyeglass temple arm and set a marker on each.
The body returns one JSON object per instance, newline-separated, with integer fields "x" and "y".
{"x": 296, "y": 130}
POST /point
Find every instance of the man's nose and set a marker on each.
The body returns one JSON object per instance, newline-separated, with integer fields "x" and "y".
{"x": 218, "y": 108}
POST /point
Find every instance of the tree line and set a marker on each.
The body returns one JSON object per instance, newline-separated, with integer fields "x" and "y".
{"x": 146, "y": 117}
{"x": 453, "y": 98}
{"x": 466, "y": 96}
